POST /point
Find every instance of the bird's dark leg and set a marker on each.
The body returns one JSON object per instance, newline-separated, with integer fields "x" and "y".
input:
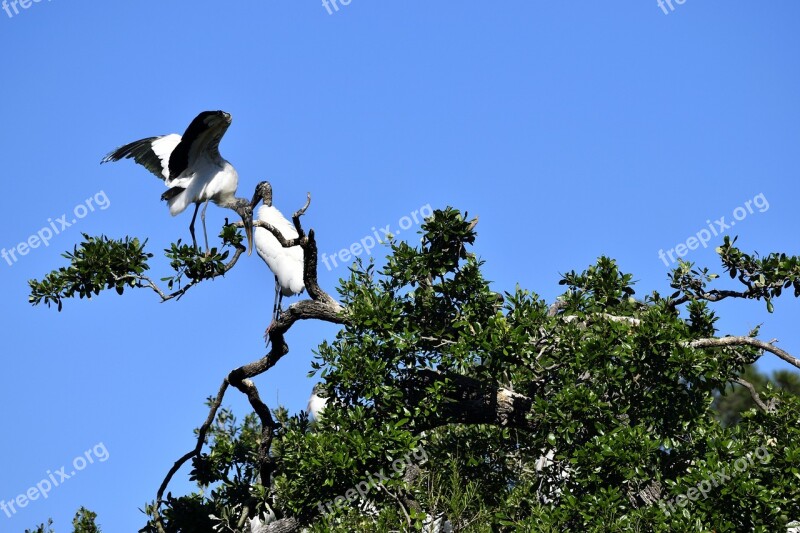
{"x": 191, "y": 226}
{"x": 203, "y": 218}
{"x": 274, "y": 309}
{"x": 277, "y": 301}
{"x": 280, "y": 305}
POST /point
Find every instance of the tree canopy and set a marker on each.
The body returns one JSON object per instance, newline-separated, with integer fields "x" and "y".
{"x": 450, "y": 405}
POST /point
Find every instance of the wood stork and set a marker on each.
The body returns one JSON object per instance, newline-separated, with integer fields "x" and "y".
{"x": 192, "y": 169}
{"x": 285, "y": 263}
{"x": 316, "y": 403}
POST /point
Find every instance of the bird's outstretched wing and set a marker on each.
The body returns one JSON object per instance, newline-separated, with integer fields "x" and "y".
{"x": 152, "y": 153}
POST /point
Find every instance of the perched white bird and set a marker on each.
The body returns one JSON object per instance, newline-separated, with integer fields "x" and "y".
{"x": 192, "y": 169}
{"x": 259, "y": 524}
{"x": 436, "y": 524}
{"x": 316, "y": 403}
{"x": 285, "y": 263}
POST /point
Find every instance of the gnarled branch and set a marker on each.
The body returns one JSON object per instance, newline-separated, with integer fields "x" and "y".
{"x": 754, "y": 394}
{"x": 715, "y": 342}
{"x": 321, "y": 306}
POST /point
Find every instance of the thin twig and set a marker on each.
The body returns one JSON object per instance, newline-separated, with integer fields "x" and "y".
{"x": 201, "y": 439}
{"x": 143, "y": 281}
{"x": 754, "y": 394}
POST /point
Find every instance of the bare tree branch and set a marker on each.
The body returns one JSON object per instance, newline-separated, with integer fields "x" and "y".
{"x": 320, "y": 307}
{"x": 556, "y": 307}
{"x": 746, "y": 341}
{"x": 143, "y": 281}
{"x": 201, "y": 439}
{"x": 754, "y": 394}
{"x": 286, "y": 525}
{"x": 300, "y": 212}
{"x": 715, "y": 295}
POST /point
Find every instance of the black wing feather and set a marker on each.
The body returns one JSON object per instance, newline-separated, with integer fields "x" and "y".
{"x": 142, "y": 152}
{"x": 179, "y": 159}
{"x": 171, "y": 193}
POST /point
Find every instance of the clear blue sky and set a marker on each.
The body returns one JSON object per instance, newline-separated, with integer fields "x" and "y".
{"x": 573, "y": 131}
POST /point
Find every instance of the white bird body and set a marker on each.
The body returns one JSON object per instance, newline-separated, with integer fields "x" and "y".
{"x": 192, "y": 168}
{"x": 316, "y": 404}
{"x": 285, "y": 263}
{"x": 209, "y": 181}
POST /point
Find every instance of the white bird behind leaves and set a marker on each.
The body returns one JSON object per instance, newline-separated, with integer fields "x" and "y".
{"x": 316, "y": 403}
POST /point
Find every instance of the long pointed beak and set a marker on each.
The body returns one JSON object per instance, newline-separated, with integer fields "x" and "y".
{"x": 255, "y": 200}
{"x": 248, "y": 233}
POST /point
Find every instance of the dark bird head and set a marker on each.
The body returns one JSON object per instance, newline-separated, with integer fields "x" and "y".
{"x": 245, "y": 210}
{"x": 203, "y": 135}
{"x": 263, "y": 193}
{"x": 209, "y": 126}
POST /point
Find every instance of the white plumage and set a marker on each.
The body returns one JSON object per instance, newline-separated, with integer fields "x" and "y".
{"x": 285, "y": 263}
{"x": 316, "y": 403}
{"x": 162, "y": 147}
{"x": 192, "y": 168}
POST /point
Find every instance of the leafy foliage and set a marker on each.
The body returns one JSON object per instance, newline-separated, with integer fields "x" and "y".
{"x": 737, "y": 400}
{"x": 226, "y": 475}
{"x": 84, "y": 522}
{"x": 98, "y": 263}
{"x": 763, "y": 278}
{"x": 612, "y": 429}
{"x": 101, "y": 263}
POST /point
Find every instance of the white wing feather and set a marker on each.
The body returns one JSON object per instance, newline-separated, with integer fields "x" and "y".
{"x": 163, "y": 147}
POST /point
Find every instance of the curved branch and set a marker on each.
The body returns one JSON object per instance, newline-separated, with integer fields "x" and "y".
{"x": 268, "y": 426}
{"x": 472, "y": 401}
{"x": 715, "y": 295}
{"x": 201, "y": 439}
{"x": 754, "y": 394}
{"x": 300, "y": 212}
{"x": 143, "y": 281}
{"x": 557, "y": 306}
{"x": 714, "y": 342}
{"x": 229, "y": 265}
{"x": 321, "y": 307}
